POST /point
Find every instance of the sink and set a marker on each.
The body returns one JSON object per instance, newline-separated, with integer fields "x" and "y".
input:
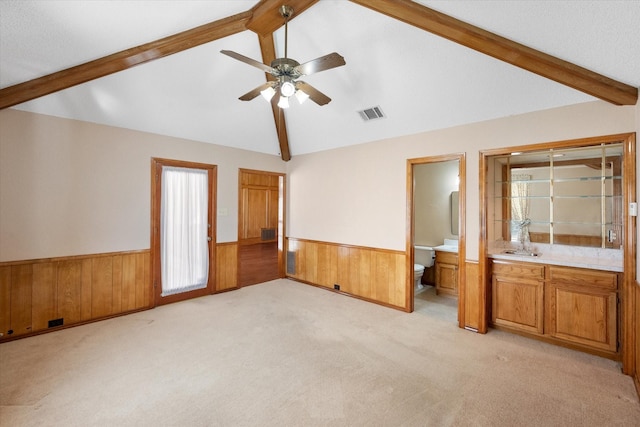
{"x": 522, "y": 253}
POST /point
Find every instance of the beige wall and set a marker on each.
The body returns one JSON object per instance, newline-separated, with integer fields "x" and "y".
{"x": 357, "y": 195}
{"x": 72, "y": 188}
{"x": 69, "y": 187}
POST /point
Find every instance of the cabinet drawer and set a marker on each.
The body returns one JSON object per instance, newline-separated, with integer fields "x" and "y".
{"x": 446, "y": 257}
{"x": 582, "y": 277}
{"x": 525, "y": 271}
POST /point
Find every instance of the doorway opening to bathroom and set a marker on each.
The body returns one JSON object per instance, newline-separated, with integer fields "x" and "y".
{"x": 436, "y": 197}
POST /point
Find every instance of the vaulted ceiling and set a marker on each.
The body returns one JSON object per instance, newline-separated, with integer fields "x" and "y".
{"x": 156, "y": 66}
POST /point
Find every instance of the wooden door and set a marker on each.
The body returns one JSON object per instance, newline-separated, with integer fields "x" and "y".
{"x": 208, "y": 238}
{"x": 260, "y": 227}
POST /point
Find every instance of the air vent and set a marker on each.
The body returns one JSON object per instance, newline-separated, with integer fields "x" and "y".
{"x": 371, "y": 114}
{"x": 267, "y": 234}
{"x": 291, "y": 262}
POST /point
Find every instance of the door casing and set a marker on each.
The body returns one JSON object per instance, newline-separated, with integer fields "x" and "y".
{"x": 156, "y": 191}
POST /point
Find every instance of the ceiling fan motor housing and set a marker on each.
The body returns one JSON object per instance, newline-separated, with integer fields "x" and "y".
{"x": 285, "y": 67}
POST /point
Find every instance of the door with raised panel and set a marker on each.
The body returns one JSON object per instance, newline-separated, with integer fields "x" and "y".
{"x": 582, "y": 307}
{"x": 518, "y": 296}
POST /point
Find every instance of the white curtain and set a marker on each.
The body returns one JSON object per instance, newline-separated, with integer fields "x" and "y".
{"x": 184, "y": 230}
{"x": 520, "y": 207}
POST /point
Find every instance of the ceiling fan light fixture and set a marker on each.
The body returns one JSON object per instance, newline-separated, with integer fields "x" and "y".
{"x": 287, "y": 89}
{"x": 268, "y": 93}
{"x": 284, "y": 102}
{"x": 301, "y": 96}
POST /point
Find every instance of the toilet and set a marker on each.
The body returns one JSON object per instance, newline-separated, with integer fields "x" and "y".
{"x": 424, "y": 257}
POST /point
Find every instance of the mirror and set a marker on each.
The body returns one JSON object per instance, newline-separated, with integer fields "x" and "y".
{"x": 455, "y": 214}
{"x": 567, "y": 196}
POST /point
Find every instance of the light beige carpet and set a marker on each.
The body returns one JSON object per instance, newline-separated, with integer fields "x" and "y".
{"x": 288, "y": 354}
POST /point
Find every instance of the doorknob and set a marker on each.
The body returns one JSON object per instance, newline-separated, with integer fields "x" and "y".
{"x": 208, "y": 238}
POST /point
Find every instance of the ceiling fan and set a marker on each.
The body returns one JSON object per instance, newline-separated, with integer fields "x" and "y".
{"x": 287, "y": 71}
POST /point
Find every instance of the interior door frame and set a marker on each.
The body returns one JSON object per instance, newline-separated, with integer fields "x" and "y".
{"x": 462, "y": 191}
{"x": 156, "y": 191}
{"x": 282, "y": 218}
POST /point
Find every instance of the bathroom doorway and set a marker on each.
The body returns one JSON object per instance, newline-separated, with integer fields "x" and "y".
{"x": 436, "y": 239}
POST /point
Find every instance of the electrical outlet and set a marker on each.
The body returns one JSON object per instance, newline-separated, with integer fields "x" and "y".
{"x": 336, "y": 287}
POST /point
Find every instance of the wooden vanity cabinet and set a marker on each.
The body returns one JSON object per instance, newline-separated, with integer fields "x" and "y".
{"x": 576, "y": 307}
{"x": 446, "y": 273}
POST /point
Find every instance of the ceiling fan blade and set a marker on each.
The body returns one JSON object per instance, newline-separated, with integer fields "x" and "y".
{"x": 255, "y": 92}
{"x": 314, "y": 94}
{"x": 326, "y": 62}
{"x": 247, "y": 60}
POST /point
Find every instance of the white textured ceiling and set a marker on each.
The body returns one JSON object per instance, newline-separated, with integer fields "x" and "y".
{"x": 421, "y": 81}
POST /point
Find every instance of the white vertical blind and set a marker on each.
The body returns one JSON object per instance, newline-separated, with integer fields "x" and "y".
{"x": 184, "y": 230}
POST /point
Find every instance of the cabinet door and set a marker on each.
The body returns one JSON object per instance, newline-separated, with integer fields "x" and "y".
{"x": 583, "y": 315}
{"x": 446, "y": 279}
{"x": 518, "y": 304}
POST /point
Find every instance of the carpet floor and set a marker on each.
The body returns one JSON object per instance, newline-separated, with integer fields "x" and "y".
{"x": 287, "y": 354}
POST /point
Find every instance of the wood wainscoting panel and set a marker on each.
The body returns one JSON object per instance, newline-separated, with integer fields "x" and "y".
{"x": 388, "y": 269}
{"x": 326, "y": 265}
{"x": 376, "y": 275}
{"x": 310, "y": 262}
{"x": 473, "y": 296}
{"x": 116, "y": 305}
{"x": 315, "y": 262}
{"x": 226, "y": 266}
{"x": 128, "y": 285}
{"x": 102, "y": 287}
{"x": 21, "y": 294}
{"x": 354, "y": 271}
{"x": 71, "y": 290}
{"x": 636, "y": 317}
{"x": 5, "y": 299}
{"x": 143, "y": 280}
{"x": 44, "y": 299}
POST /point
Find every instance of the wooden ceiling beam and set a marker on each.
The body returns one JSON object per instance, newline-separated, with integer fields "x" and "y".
{"x": 266, "y": 18}
{"x": 506, "y": 50}
{"x": 122, "y": 60}
{"x": 268, "y": 49}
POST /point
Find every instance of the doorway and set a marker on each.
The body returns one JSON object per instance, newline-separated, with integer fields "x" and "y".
{"x": 436, "y": 220}
{"x": 260, "y": 226}
{"x": 183, "y": 229}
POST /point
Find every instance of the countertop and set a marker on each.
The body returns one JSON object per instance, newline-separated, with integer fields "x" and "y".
{"x": 446, "y": 248}
{"x": 449, "y": 245}
{"x": 569, "y": 256}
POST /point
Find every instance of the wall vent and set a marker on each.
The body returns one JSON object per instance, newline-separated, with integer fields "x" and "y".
{"x": 371, "y": 114}
{"x": 291, "y": 262}
{"x": 267, "y": 234}
{"x": 56, "y": 322}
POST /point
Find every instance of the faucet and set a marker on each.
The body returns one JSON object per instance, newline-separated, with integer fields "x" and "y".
{"x": 523, "y": 235}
